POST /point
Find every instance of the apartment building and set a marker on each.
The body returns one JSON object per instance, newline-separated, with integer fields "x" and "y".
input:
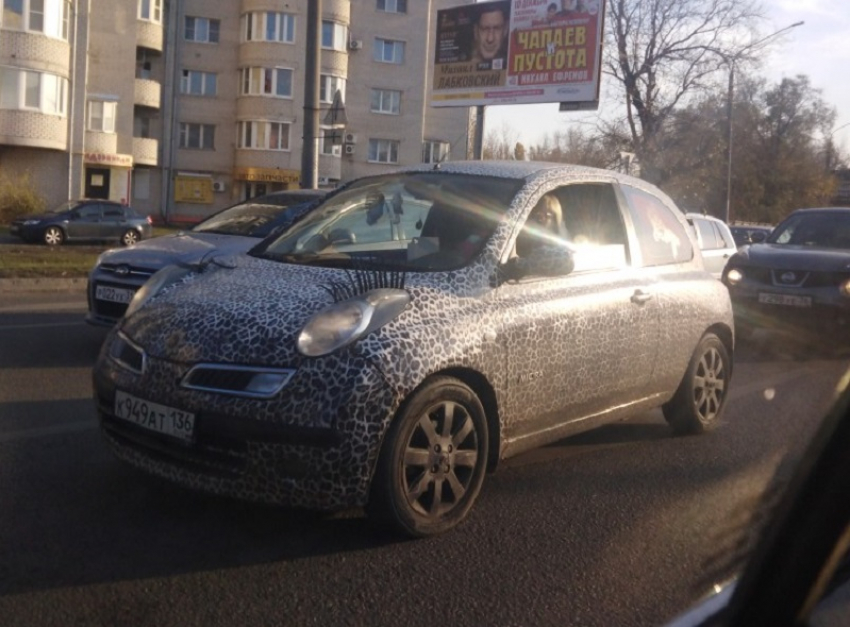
{"x": 183, "y": 107}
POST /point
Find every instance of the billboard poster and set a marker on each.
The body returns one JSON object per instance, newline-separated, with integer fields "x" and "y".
{"x": 518, "y": 52}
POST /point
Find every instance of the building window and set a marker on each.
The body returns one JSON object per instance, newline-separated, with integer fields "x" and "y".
{"x": 383, "y": 150}
{"x": 392, "y": 6}
{"x": 48, "y": 17}
{"x": 328, "y": 86}
{"x": 334, "y": 35}
{"x": 33, "y": 91}
{"x": 197, "y": 136}
{"x": 197, "y": 83}
{"x": 435, "y": 151}
{"x": 269, "y": 26}
{"x": 386, "y": 101}
{"x": 263, "y": 135}
{"x": 150, "y": 11}
{"x": 102, "y": 116}
{"x": 202, "y": 30}
{"x": 142, "y": 127}
{"x": 261, "y": 81}
{"x": 389, "y": 51}
{"x": 326, "y": 141}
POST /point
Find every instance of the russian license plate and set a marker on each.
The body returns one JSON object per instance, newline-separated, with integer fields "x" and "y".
{"x": 113, "y": 294}
{"x": 788, "y": 300}
{"x": 155, "y": 417}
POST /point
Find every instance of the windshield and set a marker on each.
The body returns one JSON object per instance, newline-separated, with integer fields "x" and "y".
{"x": 418, "y": 221}
{"x": 65, "y": 206}
{"x": 826, "y": 229}
{"x": 251, "y": 219}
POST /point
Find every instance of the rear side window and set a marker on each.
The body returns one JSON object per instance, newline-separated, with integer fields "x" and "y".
{"x": 708, "y": 234}
{"x": 663, "y": 239}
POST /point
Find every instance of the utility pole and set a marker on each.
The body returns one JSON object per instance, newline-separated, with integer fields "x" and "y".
{"x": 312, "y": 64}
{"x": 731, "y": 60}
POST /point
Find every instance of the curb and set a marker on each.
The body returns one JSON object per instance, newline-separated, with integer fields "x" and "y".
{"x": 10, "y": 286}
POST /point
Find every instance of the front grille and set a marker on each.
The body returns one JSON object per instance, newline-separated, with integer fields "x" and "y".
{"x": 122, "y": 269}
{"x": 211, "y": 454}
{"x": 108, "y": 309}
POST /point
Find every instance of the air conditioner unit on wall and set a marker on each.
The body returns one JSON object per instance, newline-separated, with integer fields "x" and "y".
{"x": 355, "y": 44}
{"x": 350, "y": 138}
{"x": 218, "y": 186}
{"x": 349, "y": 149}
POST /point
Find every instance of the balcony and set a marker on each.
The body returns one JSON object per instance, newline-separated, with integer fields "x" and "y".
{"x": 145, "y": 151}
{"x": 103, "y": 143}
{"x": 147, "y": 93}
{"x": 149, "y": 35}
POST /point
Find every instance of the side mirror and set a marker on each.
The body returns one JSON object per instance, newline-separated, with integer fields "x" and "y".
{"x": 544, "y": 261}
{"x": 757, "y": 237}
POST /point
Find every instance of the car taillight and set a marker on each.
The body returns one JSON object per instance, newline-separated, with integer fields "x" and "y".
{"x": 150, "y": 220}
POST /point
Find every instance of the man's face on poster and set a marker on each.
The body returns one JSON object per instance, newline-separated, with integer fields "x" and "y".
{"x": 489, "y": 34}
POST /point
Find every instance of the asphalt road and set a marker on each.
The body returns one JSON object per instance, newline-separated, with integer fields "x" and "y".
{"x": 623, "y": 526}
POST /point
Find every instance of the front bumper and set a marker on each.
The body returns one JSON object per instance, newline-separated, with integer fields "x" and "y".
{"x": 821, "y": 310}
{"x": 107, "y": 310}
{"x": 306, "y": 448}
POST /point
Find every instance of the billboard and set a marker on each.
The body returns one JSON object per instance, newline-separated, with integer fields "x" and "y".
{"x": 518, "y": 52}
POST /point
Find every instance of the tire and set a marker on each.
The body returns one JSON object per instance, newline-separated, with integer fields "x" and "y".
{"x": 433, "y": 460}
{"x": 53, "y": 236}
{"x": 130, "y": 237}
{"x": 701, "y": 397}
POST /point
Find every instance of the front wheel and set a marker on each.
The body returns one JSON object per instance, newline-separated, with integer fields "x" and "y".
{"x": 701, "y": 396}
{"x": 433, "y": 460}
{"x": 130, "y": 237}
{"x": 53, "y": 236}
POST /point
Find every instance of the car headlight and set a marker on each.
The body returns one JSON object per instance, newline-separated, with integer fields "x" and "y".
{"x": 844, "y": 288}
{"x": 347, "y": 321}
{"x": 154, "y": 285}
{"x": 734, "y": 276}
{"x": 31, "y": 222}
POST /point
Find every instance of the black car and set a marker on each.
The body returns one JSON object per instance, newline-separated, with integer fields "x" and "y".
{"x": 84, "y": 220}
{"x": 750, "y": 233}
{"x": 798, "y": 279}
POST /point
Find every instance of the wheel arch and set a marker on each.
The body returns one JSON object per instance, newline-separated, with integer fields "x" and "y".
{"x": 479, "y": 384}
{"x": 726, "y": 336}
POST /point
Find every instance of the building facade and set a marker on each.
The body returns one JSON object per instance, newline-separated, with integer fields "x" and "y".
{"x": 182, "y": 107}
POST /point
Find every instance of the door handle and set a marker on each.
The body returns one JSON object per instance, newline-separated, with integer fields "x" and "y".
{"x": 640, "y": 297}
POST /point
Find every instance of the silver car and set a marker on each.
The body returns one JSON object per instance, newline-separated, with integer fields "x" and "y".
{"x": 715, "y": 241}
{"x": 119, "y": 273}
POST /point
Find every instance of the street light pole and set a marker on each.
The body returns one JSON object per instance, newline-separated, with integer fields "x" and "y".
{"x": 730, "y": 60}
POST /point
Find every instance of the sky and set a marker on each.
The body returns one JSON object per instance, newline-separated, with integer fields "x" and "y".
{"x": 820, "y": 48}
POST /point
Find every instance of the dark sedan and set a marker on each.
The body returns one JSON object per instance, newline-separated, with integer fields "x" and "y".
{"x": 745, "y": 234}
{"x": 84, "y": 220}
{"x": 798, "y": 279}
{"x": 120, "y": 272}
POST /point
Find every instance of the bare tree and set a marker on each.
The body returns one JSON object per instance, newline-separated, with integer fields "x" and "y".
{"x": 501, "y": 143}
{"x": 662, "y": 52}
{"x": 575, "y": 146}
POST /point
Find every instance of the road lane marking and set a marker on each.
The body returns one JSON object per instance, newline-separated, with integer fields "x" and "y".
{"x": 42, "y": 432}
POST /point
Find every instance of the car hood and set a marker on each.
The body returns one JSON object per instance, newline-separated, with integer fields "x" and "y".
{"x": 784, "y": 256}
{"x": 41, "y": 216}
{"x": 185, "y": 247}
{"x": 239, "y": 309}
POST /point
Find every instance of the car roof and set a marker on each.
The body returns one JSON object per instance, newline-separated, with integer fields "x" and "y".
{"x": 821, "y": 210}
{"x": 695, "y": 214}
{"x": 539, "y": 172}
{"x": 287, "y": 195}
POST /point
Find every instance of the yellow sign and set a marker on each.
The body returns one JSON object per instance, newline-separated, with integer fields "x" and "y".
{"x": 267, "y": 175}
{"x": 193, "y": 189}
